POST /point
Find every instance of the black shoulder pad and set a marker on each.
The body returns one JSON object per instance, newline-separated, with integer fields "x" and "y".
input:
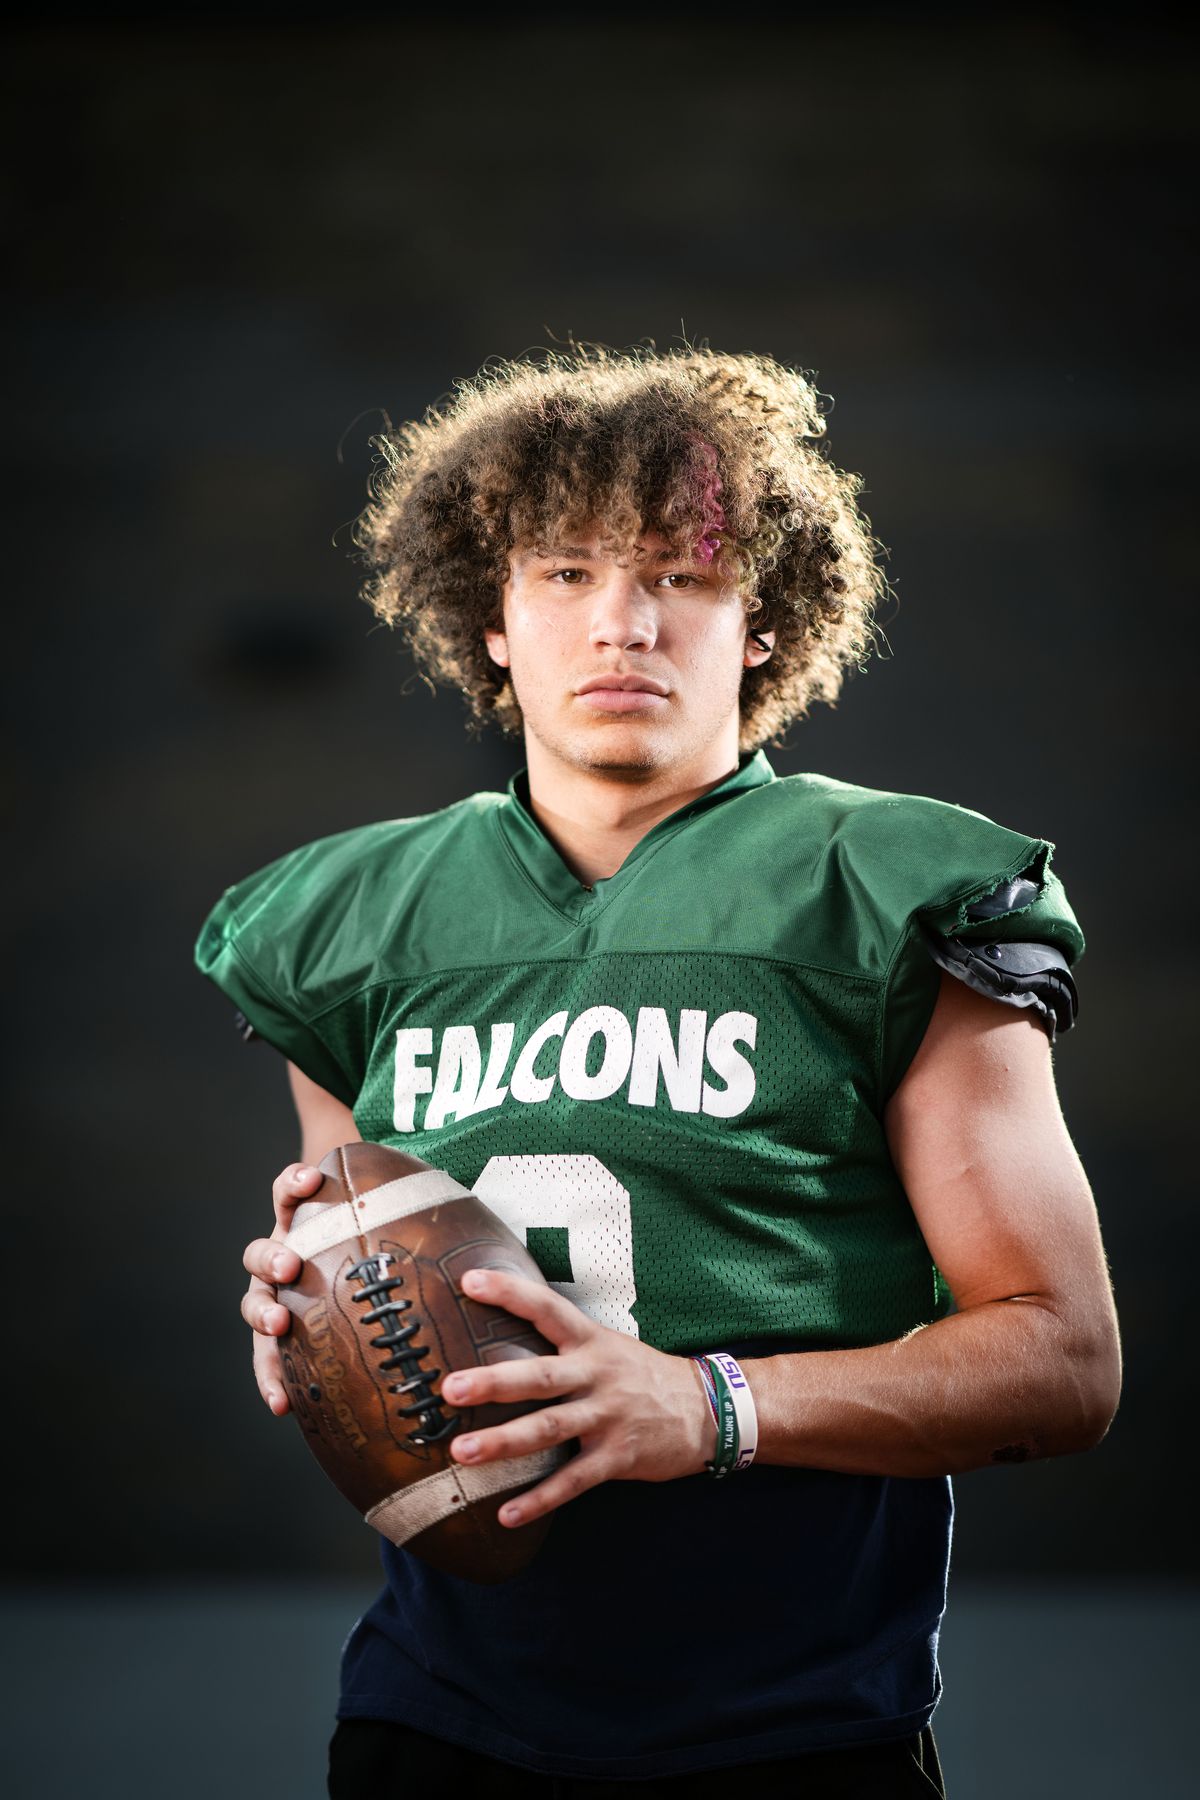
{"x": 1030, "y": 975}
{"x": 1011, "y": 897}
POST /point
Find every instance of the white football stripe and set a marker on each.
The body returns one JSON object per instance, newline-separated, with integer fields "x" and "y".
{"x": 382, "y": 1206}
{"x": 413, "y": 1509}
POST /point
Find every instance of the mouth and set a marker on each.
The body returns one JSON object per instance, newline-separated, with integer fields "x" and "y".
{"x": 622, "y": 693}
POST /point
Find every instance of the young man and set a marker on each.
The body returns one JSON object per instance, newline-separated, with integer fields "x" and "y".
{"x": 759, "y": 1066}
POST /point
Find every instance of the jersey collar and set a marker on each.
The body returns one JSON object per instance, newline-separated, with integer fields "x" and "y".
{"x": 544, "y": 866}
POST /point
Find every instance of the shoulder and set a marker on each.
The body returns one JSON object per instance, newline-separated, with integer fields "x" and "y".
{"x": 868, "y": 863}
{"x": 363, "y": 854}
{"x": 292, "y": 944}
{"x": 881, "y": 822}
{"x": 911, "y": 886}
{"x": 316, "y": 906}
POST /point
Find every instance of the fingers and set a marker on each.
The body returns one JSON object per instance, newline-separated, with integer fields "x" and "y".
{"x": 524, "y": 1378}
{"x": 567, "y": 1483}
{"x": 269, "y": 1320}
{"x": 299, "y": 1181}
{"x": 261, "y": 1308}
{"x": 268, "y": 1373}
{"x": 270, "y": 1261}
{"x": 536, "y": 1431}
{"x": 263, "y": 1311}
{"x": 556, "y": 1318}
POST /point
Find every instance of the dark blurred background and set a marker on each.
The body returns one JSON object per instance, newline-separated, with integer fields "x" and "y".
{"x": 242, "y": 242}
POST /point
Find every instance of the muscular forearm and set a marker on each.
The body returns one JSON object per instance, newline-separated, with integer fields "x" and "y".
{"x": 998, "y": 1381}
{"x": 1002, "y": 1382}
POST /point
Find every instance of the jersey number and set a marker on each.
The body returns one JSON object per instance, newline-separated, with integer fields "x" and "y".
{"x": 579, "y": 1197}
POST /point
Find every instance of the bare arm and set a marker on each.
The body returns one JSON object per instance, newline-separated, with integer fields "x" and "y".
{"x": 1029, "y": 1364}
{"x": 324, "y": 1124}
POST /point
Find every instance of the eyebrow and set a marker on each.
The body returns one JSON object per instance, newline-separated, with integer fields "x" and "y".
{"x": 580, "y": 555}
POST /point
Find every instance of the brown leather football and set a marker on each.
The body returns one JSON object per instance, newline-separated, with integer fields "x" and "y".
{"x": 378, "y": 1318}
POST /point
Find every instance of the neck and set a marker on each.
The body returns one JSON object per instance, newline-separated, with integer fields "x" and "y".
{"x": 596, "y": 817}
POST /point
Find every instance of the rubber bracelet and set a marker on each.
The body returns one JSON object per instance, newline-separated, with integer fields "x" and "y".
{"x": 725, "y": 1457}
{"x": 727, "y": 1369}
{"x": 719, "y": 1465}
{"x": 710, "y": 1391}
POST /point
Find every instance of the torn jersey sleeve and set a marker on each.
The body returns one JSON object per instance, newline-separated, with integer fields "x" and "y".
{"x": 1008, "y": 934}
{"x": 1015, "y": 943}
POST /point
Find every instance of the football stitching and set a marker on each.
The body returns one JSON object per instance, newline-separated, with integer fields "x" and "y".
{"x": 430, "y": 1424}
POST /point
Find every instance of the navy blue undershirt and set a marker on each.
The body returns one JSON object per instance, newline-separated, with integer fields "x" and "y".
{"x": 667, "y": 1627}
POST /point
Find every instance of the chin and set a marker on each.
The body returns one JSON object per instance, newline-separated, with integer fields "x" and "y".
{"x": 621, "y": 751}
{"x": 633, "y": 759}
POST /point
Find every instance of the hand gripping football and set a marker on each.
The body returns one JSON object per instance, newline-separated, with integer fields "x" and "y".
{"x": 378, "y": 1318}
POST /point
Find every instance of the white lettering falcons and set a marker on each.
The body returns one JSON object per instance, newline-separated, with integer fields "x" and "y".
{"x": 698, "y": 1067}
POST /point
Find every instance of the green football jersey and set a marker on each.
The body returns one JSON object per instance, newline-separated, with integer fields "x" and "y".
{"x": 671, "y": 1084}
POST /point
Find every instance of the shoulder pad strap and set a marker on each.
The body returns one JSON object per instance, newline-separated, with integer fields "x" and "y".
{"x": 1028, "y": 975}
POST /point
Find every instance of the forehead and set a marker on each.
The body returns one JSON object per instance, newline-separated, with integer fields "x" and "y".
{"x": 585, "y": 547}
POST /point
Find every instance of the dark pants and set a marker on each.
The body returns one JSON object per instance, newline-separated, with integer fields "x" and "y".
{"x": 372, "y": 1760}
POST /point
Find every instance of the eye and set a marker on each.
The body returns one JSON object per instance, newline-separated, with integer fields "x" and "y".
{"x": 681, "y": 581}
{"x": 567, "y": 577}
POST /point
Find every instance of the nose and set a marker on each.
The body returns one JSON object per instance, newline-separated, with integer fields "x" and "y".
{"x": 624, "y": 615}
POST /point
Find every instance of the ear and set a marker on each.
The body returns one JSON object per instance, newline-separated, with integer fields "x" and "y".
{"x": 497, "y": 647}
{"x": 759, "y": 645}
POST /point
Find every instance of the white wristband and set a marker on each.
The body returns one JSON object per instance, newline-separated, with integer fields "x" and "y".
{"x": 743, "y": 1403}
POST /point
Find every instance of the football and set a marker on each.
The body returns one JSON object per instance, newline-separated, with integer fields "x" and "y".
{"x": 378, "y": 1319}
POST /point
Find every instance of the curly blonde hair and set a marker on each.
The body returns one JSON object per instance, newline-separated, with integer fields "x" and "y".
{"x": 716, "y": 453}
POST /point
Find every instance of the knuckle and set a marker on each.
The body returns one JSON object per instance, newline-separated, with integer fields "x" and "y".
{"x": 253, "y": 1254}
{"x": 571, "y": 1481}
{"x": 255, "y": 1311}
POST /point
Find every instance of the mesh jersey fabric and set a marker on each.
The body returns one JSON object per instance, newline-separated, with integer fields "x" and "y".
{"x": 672, "y": 1085}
